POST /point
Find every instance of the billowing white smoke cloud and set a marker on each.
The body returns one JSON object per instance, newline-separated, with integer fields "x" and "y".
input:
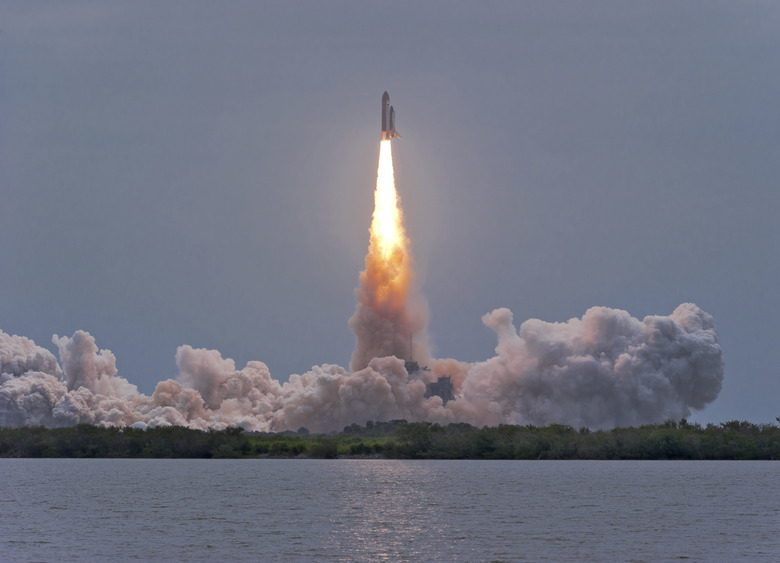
{"x": 209, "y": 391}
{"x": 607, "y": 369}
{"x": 31, "y": 382}
{"x": 85, "y": 366}
{"x": 604, "y": 370}
{"x": 19, "y": 355}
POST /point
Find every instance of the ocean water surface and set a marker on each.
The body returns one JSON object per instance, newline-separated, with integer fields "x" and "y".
{"x": 353, "y": 510}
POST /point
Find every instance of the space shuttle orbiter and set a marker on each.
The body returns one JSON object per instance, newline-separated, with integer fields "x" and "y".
{"x": 388, "y": 119}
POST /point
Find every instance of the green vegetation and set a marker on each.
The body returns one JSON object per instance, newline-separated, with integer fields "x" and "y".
{"x": 405, "y": 440}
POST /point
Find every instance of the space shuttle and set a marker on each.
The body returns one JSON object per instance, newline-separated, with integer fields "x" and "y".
{"x": 388, "y": 119}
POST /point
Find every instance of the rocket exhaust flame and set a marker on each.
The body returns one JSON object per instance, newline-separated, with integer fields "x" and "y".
{"x": 388, "y": 308}
{"x": 387, "y": 262}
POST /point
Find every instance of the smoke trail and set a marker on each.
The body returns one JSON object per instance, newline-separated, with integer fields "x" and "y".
{"x": 389, "y": 309}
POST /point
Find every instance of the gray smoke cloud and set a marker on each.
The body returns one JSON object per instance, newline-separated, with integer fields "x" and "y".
{"x": 606, "y": 369}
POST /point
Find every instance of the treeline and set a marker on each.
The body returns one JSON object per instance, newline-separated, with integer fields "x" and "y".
{"x": 399, "y": 439}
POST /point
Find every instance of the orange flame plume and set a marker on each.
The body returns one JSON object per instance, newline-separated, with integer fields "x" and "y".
{"x": 389, "y": 309}
{"x": 388, "y": 271}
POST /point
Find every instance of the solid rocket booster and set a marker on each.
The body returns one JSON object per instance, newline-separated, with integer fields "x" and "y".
{"x": 388, "y": 119}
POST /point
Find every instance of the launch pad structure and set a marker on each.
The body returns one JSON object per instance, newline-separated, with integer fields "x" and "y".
{"x": 442, "y": 387}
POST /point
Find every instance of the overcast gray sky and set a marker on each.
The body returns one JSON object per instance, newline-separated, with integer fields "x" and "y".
{"x": 202, "y": 173}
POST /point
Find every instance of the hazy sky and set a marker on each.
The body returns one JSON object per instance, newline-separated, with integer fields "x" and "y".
{"x": 202, "y": 173}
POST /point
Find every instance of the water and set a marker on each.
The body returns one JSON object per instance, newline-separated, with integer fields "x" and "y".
{"x": 344, "y": 510}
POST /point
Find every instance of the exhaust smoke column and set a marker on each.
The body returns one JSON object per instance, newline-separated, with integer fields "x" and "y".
{"x": 389, "y": 309}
